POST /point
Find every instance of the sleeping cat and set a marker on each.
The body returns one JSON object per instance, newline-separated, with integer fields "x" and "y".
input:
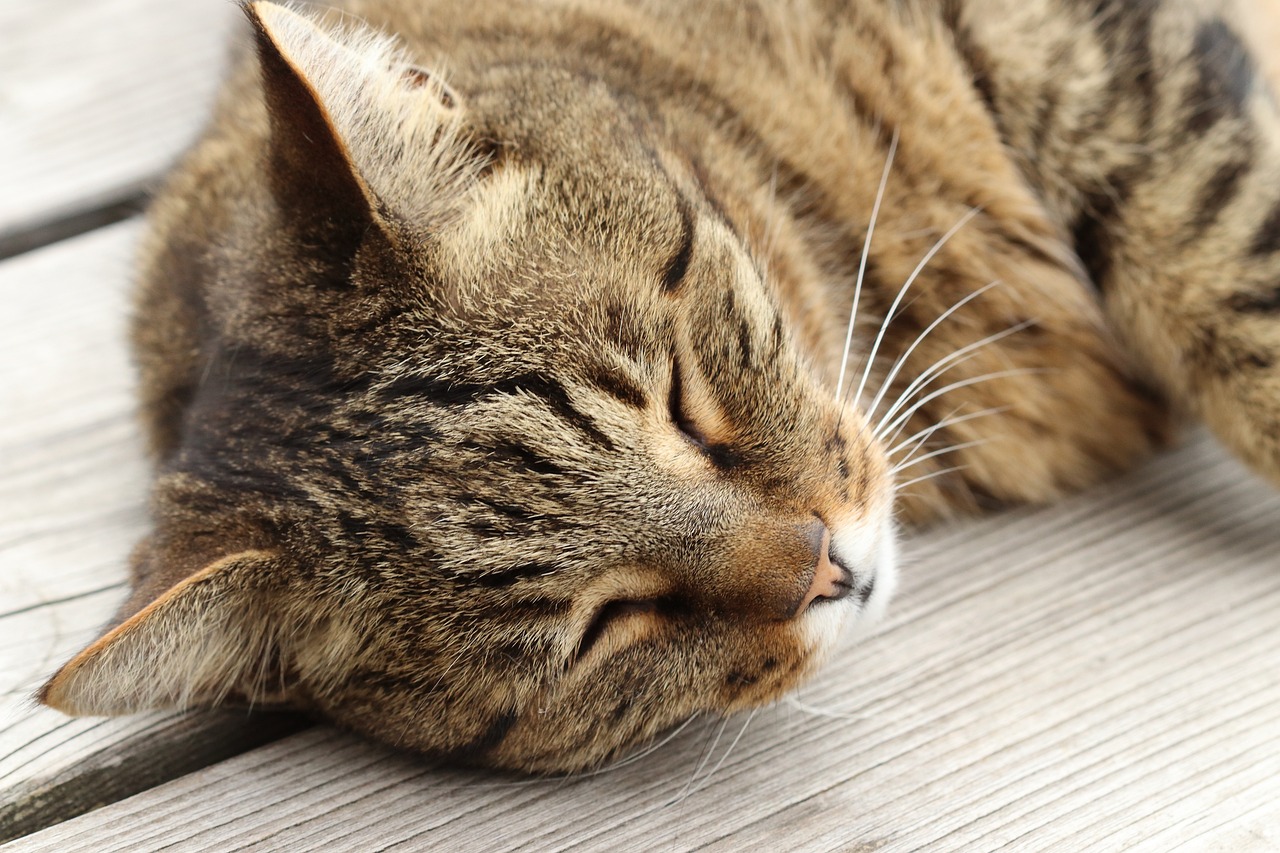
{"x": 525, "y": 378}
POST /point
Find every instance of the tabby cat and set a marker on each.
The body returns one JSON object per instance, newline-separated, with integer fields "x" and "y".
{"x": 494, "y": 353}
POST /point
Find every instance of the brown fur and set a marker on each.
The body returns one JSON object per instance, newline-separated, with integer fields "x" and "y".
{"x": 554, "y": 365}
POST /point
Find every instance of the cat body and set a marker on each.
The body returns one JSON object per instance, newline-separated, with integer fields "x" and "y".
{"x": 500, "y": 379}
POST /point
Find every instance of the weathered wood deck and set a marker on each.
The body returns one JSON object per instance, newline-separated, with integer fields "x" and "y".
{"x": 1104, "y": 674}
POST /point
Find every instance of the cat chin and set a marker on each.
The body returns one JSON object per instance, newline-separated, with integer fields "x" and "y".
{"x": 886, "y": 584}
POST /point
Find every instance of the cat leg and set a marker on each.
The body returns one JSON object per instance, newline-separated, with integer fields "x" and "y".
{"x": 1149, "y": 130}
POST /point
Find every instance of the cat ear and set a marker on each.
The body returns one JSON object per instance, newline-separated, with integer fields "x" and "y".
{"x": 213, "y": 635}
{"x": 355, "y": 125}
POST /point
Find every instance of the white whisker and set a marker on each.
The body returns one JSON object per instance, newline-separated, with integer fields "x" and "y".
{"x": 862, "y": 264}
{"x": 900, "y": 486}
{"x": 950, "y": 420}
{"x": 599, "y": 771}
{"x": 963, "y": 383}
{"x": 944, "y": 364}
{"x": 821, "y": 712}
{"x": 951, "y": 448}
{"x": 706, "y": 756}
{"x": 891, "y": 437}
{"x": 884, "y": 326}
{"x": 902, "y": 359}
{"x": 711, "y": 775}
{"x": 647, "y": 751}
{"x": 919, "y": 437}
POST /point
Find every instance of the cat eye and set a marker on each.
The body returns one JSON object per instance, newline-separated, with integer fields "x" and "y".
{"x": 608, "y": 614}
{"x": 721, "y": 455}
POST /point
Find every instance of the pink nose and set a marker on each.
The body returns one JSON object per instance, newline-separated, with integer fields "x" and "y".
{"x": 831, "y": 580}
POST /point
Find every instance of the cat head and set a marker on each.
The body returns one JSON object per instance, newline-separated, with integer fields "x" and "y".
{"x": 502, "y": 447}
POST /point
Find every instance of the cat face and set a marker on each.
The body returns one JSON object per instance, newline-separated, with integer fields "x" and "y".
{"x": 509, "y": 456}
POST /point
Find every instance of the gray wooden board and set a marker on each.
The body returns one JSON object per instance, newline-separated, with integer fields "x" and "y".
{"x": 1103, "y": 674}
{"x": 98, "y": 96}
{"x": 1099, "y": 675}
{"x": 72, "y": 486}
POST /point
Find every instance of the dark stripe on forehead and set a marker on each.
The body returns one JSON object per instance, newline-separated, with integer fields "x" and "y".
{"x": 549, "y": 391}
{"x": 1220, "y": 190}
{"x": 744, "y": 345}
{"x": 1125, "y": 28}
{"x": 499, "y": 507}
{"x": 1225, "y": 78}
{"x": 522, "y": 617}
{"x": 1266, "y": 241}
{"x": 511, "y": 576}
{"x": 616, "y": 384}
{"x": 1256, "y": 302}
{"x": 1092, "y": 234}
{"x": 515, "y": 456}
{"x": 678, "y": 265}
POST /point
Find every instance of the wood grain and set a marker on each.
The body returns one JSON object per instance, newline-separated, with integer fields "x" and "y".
{"x": 97, "y": 97}
{"x": 1098, "y": 675}
{"x": 72, "y": 487}
{"x": 1101, "y": 675}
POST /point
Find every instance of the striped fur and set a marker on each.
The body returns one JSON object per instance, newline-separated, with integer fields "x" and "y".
{"x": 496, "y": 418}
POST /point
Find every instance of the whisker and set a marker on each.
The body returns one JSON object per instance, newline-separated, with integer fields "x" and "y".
{"x": 862, "y": 266}
{"x": 891, "y": 437}
{"x": 706, "y": 756}
{"x": 647, "y": 751}
{"x": 917, "y": 441}
{"x": 902, "y": 359}
{"x": 963, "y": 383}
{"x": 821, "y": 712}
{"x": 951, "y": 448}
{"x": 707, "y": 779}
{"x": 884, "y": 326}
{"x": 900, "y": 486}
{"x": 949, "y": 421}
{"x": 944, "y": 364}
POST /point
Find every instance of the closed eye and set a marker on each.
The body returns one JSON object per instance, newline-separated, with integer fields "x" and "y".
{"x": 722, "y": 455}
{"x": 675, "y": 402}
{"x": 610, "y": 613}
{"x": 613, "y": 614}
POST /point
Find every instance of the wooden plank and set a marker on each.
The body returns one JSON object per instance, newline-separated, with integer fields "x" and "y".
{"x": 72, "y": 485}
{"x": 97, "y": 97}
{"x": 1097, "y": 675}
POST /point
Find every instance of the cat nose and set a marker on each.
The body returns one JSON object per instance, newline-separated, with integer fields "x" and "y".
{"x": 832, "y": 579}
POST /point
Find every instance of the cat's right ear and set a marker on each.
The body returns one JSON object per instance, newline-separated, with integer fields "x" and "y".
{"x": 358, "y": 131}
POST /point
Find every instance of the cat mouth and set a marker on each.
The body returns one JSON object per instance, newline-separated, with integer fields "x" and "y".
{"x": 876, "y": 591}
{"x": 866, "y": 590}
{"x": 867, "y": 562}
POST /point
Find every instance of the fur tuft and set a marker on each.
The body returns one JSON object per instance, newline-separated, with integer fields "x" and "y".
{"x": 399, "y": 122}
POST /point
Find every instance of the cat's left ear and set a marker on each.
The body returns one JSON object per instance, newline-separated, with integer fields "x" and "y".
{"x": 223, "y": 633}
{"x": 355, "y": 125}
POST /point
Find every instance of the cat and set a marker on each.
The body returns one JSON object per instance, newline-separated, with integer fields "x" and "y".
{"x": 527, "y": 378}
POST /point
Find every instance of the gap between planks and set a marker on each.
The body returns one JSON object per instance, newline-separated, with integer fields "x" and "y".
{"x": 73, "y": 480}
